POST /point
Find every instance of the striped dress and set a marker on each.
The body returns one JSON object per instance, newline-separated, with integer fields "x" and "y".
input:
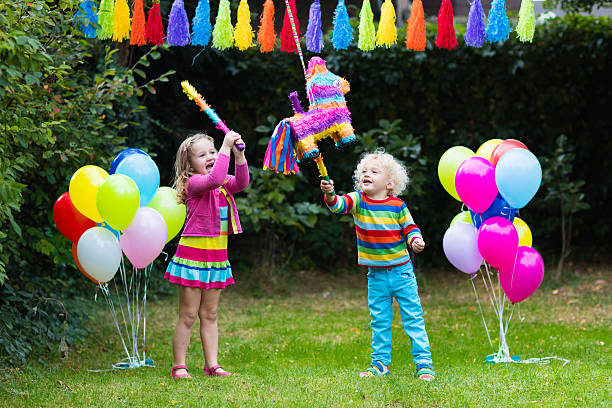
{"x": 202, "y": 262}
{"x": 383, "y": 228}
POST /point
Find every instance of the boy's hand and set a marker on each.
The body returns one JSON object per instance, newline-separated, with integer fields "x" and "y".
{"x": 418, "y": 245}
{"x": 327, "y": 187}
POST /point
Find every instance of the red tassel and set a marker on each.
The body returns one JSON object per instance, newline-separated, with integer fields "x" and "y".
{"x": 287, "y": 40}
{"x": 154, "y": 30}
{"x": 138, "y": 24}
{"x": 446, "y": 32}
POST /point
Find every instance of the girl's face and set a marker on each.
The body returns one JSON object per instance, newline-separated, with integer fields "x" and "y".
{"x": 374, "y": 180}
{"x": 202, "y": 156}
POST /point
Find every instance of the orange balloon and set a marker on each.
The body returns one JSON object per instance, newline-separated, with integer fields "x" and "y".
{"x": 78, "y": 264}
{"x": 504, "y": 147}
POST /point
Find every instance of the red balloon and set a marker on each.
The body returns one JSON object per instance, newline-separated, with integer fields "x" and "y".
{"x": 69, "y": 221}
{"x": 78, "y": 264}
{"x": 504, "y": 147}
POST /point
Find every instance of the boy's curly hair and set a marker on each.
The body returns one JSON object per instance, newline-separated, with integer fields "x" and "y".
{"x": 182, "y": 164}
{"x": 396, "y": 171}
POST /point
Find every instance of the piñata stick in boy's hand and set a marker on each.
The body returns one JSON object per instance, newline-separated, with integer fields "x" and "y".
{"x": 201, "y": 102}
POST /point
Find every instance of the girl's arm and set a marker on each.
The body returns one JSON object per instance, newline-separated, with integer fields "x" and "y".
{"x": 240, "y": 181}
{"x": 198, "y": 184}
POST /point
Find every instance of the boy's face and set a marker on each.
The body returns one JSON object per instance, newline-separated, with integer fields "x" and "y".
{"x": 203, "y": 156}
{"x": 374, "y": 180}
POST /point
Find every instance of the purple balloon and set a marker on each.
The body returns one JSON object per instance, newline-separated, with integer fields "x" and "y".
{"x": 520, "y": 281}
{"x": 498, "y": 241}
{"x": 460, "y": 247}
{"x": 475, "y": 183}
{"x": 144, "y": 239}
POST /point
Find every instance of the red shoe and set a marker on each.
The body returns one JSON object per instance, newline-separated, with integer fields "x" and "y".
{"x": 216, "y": 371}
{"x": 180, "y": 367}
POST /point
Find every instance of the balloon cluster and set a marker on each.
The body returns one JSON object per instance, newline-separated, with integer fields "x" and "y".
{"x": 500, "y": 178}
{"x": 104, "y": 214}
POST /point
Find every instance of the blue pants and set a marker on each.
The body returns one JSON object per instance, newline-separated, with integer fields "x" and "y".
{"x": 397, "y": 282}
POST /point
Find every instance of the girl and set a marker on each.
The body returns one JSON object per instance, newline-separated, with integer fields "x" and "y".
{"x": 200, "y": 266}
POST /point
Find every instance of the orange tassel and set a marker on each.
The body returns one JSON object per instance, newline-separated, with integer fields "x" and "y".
{"x": 266, "y": 37}
{"x": 415, "y": 34}
{"x": 138, "y": 24}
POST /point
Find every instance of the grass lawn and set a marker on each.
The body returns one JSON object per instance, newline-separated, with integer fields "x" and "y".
{"x": 306, "y": 349}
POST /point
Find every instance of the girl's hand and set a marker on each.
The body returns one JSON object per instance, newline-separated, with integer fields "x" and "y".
{"x": 230, "y": 138}
{"x": 239, "y": 141}
{"x": 327, "y": 187}
{"x": 418, "y": 245}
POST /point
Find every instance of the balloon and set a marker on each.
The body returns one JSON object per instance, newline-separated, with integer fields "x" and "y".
{"x": 498, "y": 241}
{"x": 71, "y": 223}
{"x": 518, "y": 176}
{"x": 118, "y": 200}
{"x": 463, "y": 216}
{"x": 143, "y": 170}
{"x": 486, "y": 149}
{"x": 108, "y": 227}
{"x": 460, "y": 247}
{"x": 475, "y": 183}
{"x": 78, "y": 264}
{"x": 521, "y": 281}
{"x": 145, "y": 238}
{"x": 83, "y": 187}
{"x": 122, "y": 155}
{"x": 447, "y": 167}
{"x": 499, "y": 208}
{"x": 524, "y": 232}
{"x": 174, "y": 213}
{"x": 99, "y": 253}
{"x": 505, "y": 147}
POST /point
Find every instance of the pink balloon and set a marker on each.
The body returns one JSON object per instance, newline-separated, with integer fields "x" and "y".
{"x": 475, "y": 183}
{"x": 144, "y": 239}
{"x": 498, "y": 242}
{"x": 521, "y": 281}
{"x": 460, "y": 247}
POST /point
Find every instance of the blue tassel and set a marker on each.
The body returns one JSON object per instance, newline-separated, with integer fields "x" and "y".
{"x": 178, "y": 27}
{"x": 475, "y": 31}
{"x": 498, "y": 25}
{"x": 86, "y": 16}
{"x": 202, "y": 29}
{"x": 342, "y": 34}
{"x": 314, "y": 35}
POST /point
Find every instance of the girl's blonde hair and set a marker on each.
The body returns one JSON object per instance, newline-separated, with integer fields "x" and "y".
{"x": 182, "y": 165}
{"x": 395, "y": 170}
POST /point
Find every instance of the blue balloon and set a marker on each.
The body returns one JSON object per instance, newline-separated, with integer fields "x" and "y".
{"x": 143, "y": 170}
{"x": 122, "y": 155}
{"x": 499, "y": 208}
{"x": 518, "y": 176}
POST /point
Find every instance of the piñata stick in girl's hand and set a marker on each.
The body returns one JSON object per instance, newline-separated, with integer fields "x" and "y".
{"x": 201, "y": 102}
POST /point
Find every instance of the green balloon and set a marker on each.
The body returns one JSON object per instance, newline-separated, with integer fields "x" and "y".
{"x": 463, "y": 216}
{"x": 448, "y": 165}
{"x": 118, "y": 200}
{"x": 174, "y": 213}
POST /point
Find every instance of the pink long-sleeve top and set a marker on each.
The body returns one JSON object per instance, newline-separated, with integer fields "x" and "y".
{"x": 202, "y": 198}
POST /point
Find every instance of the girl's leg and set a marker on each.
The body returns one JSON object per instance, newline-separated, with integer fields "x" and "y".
{"x": 189, "y": 303}
{"x": 209, "y": 331}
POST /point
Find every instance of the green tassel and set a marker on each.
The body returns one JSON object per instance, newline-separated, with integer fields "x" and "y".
{"x": 526, "y": 24}
{"x": 223, "y": 33}
{"x": 106, "y": 19}
{"x": 367, "y": 33}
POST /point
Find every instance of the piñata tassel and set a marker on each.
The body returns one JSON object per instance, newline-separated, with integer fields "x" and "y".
{"x": 121, "y": 21}
{"x": 287, "y": 40}
{"x": 178, "y": 25}
{"x": 201, "y": 27}
{"x": 475, "y": 35}
{"x": 106, "y": 19}
{"x": 154, "y": 30}
{"x": 367, "y": 32}
{"x": 243, "y": 36}
{"x": 314, "y": 34}
{"x": 387, "y": 32}
{"x": 85, "y": 16}
{"x": 138, "y": 24}
{"x": 342, "y": 34}
{"x": 223, "y": 33}
{"x": 526, "y": 24}
{"x": 266, "y": 37}
{"x": 498, "y": 25}
{"x": 415, "y": 33}
{"x": 446, "y": 31}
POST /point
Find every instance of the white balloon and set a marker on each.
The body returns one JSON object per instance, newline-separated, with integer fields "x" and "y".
{"x": 99, "y": 253}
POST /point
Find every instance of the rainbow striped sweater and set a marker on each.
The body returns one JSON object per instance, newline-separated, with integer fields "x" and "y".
{"x": 383, "y": 228}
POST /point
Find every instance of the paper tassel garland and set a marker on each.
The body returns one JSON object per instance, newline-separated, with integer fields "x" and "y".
{"x": 223, "y": 33}
{"x": 154, "y": 30}
{"x": 314, "y": 34}
{"x": 342, "y": 34}
{"x": 446, "y": 31}
{"x": 367, "y": 33}
{"x": 498, "y": 25}
{"x": 266, "y": 37}
{"x": 415, "y": 33}
{"x": 243, "y": 36}
{"x": 287, "y": 41}
{"x": 387, "y": 33}
{"x": 138, "y": 24}
{"x": 86, "y": 15}
{"x": 178, "y": 26}
{"x": 121, "y": 21}
{"x": 475, "y": 35}
{"x": 106, "y": 19}
{"x": 526, "y": 24}
{"x": 201, "y": 28}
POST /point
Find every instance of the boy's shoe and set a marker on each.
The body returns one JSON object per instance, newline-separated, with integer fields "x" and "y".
{"x": 425, "y": 372}
{"x": 377, "y": 368}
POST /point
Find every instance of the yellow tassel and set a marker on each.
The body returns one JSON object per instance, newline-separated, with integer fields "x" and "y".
{"x": 243, "y": 35}
{"x": 121, "y": 21}
{"x": 387, "y": 33}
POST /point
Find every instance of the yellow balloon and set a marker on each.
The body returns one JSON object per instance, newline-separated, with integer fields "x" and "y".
{"x": 448, "y": 165}
{"x": 486, "y": 149}
{"x": 463, "y": 216}
{"x": 84, "y": 185}
{"x": 524, "y": 233}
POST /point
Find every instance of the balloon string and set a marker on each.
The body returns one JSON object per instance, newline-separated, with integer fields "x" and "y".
{"x": 109, "y": 300}
{"x": 482, "y": 315}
